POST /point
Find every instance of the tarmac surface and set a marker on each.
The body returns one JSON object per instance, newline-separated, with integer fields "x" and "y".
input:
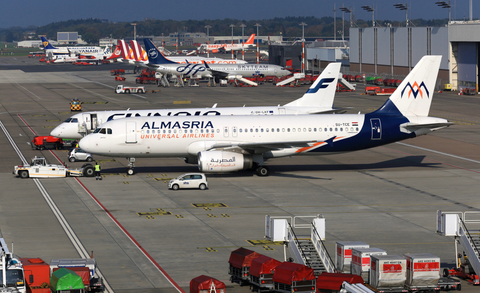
{"x": 139, "y": 231}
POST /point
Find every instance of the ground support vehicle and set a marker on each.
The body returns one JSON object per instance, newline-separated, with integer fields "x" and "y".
{"x": 39, "y": 168}
{"x": 11, "y": 270}
{"x": 203, "y": 284}
{"x": 465, "y": 271}
{"x": 332, "y": 282}
{"x": 121, "y": 89}
{"x": 239, "y": 265}
{"x": 293, "y": 277}
{"x": 75, "y": 105}
{"x": 120, "y": 78}
{"x": 37, "y": 275}
{"x": 84, "y": 267}
{"x": 377, "y": 91}
{"x": 448, "y": 284}
{"x": 189, "y": 180}
{"x": 77, "y": 154}
{"x": 47, "y": 142}
{"x": 261, "y": 273}
{"x": 147, "y": 77}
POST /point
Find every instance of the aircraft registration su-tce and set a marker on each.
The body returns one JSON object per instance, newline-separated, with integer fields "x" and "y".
{"x": 232, "y": 143}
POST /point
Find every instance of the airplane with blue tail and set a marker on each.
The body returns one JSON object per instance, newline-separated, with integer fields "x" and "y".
{"x": 232, "y": 143}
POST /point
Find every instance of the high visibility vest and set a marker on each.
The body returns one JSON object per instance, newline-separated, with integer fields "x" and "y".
{"x": 97, "y": 168}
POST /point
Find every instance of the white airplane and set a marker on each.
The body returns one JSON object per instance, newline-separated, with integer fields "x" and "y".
{"x": 135, "y": 54}
{"x": 70, "y": 50}
{"x": 219, "y": 48}
{"x": 317, "y": 100}
{"x": 107, "y": 53}
{"x": 231, "y": 143}
{"x": 228, "y": 71}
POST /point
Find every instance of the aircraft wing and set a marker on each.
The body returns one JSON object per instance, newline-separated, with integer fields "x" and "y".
{"x": 330, "y": 111}
{"x": 262, "y": 146}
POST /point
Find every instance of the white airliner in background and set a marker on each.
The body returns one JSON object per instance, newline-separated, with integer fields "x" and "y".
{"x": 231, "y": 143}
{"x": 224, "y": 71}
{"x": 70, "y": 50}
{"x": 318, "y": 99}
{"x": 218, "y": 48}
{"x": 136, "y": 55}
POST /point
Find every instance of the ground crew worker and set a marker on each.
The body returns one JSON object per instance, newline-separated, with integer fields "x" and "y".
{"x": 97, "y": 171}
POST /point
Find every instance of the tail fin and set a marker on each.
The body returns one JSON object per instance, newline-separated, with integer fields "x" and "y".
{"x": 125, "y": 49}
{"x": 117, "y": 53}
{"x": 322, "y": 91}
{"x": 46, "y": 44}
{"x": 154, "y": 55}
{"x": 250, "y": 40}
{"x": 137, "y": 50}
{"x": 413, "y": 96}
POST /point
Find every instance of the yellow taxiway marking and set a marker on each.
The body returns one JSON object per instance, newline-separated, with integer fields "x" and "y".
{"x": 95, "y": 102}
{"x": 264, "y": 242}
{"x": 181, "y": 102}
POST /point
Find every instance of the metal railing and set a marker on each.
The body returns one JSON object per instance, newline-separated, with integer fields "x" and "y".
{"x": 322, "y": 251}
{"x": 298, "y": 253}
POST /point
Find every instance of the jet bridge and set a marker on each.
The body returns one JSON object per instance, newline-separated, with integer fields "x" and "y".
{"x": 455, "y": 224}
{"x": 304, "y": 236}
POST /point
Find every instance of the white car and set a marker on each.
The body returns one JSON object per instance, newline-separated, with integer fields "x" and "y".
{"x": 77, "y": 154}
{"x": 189, "y": 180}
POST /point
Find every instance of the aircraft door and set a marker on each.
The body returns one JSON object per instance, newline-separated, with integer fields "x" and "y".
{"x": 94, "y": 121}
{"x": 234, "y": 131}
{"x": 131, "y": 132}
{"x": 281, "y": 111}
{"x": 85, "y": 124}
{"x": 376, "y": 128}
{"x": 225, "y": 131}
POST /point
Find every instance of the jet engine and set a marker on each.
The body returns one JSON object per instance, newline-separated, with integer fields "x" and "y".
{"x": 221, "y": 161}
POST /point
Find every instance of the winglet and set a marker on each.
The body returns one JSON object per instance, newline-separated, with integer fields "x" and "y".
{"x": 322, "y": 92}
{"x": 46, "y": 44}
{"x": 413, "y": 96}
{"x": 154, "y": 55}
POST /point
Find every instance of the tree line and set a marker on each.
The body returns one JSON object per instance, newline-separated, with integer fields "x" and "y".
{"x": 289, "y": 27}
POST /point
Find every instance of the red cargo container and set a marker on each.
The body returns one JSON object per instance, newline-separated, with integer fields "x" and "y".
{"x": 423, "y": 271}
{"x": 328, "y": 282}
{"x": 293, "y": 277}
{"x": 343, "y": 257}
{"x": 261, "y": 273}
{"x": 240, "y": 261}
{"x": 204, "y": 284}
{"x": 37, "y": 275}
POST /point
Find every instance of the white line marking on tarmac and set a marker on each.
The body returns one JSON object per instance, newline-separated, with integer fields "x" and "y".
{"x": 28, "y": 91}
{"x": 437, "y": 152}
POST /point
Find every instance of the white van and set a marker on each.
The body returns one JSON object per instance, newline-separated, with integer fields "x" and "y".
{"x": 189, "y": 180}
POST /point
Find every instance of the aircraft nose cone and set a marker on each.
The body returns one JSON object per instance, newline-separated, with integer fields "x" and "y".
{"x": 86, "y": 144}
{"x": 57, "y": 131}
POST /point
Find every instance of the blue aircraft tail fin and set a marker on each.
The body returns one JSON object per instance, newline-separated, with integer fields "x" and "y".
{"x": 154, "y": 55}
{"x": 46, "y": 44}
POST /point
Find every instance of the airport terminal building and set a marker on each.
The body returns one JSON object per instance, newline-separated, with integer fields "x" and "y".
{"x": 395, "y": 51}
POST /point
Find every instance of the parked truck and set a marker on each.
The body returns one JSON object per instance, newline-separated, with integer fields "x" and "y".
{"x": 11, "y": 270}
{"x": 121, "y": 89}
{"x": 40, "y": 168}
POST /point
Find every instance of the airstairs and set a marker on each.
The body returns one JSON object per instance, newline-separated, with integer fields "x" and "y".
{"x": 307, "y": 248}
{"x": 345, "y": 83}
{"x": 295, "y": 77}
{"x": 455, "y": 224}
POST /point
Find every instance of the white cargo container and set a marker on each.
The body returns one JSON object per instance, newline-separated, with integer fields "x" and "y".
{"x": 361, "y": 260}
{"x": 343, "y": 255}
{"x": 423, "y": 270}
{"x": 387, "y": 271}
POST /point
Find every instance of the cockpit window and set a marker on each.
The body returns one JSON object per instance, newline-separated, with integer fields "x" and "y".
{"x": 97, "y": 130}
{"x": 103, "y": 131}
{"x": 109, "y": 131}
{"x": 68, "y": 120}
{"x": 74, "y": 120}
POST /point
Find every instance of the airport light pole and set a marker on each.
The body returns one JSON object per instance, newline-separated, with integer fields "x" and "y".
{"x": 345, "y": 10}
{"x": 303, "y": 46}
{"x": 403, "y": 7}
{"x": 232, "y": 26}
{"x": 372, "y": 10}
{"x": 243, "y": 49}
{"x": 334, "y": 23}
{"x": 258, "y": 53}
{"x": 134, "y": 30}
{"x": 444, "y": 4}
{"x": 208, "y": 39}
{"x": 257, "y": 25}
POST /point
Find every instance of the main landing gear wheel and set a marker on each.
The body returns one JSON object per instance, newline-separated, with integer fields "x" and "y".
{"x": 262, "y": 171}
{"x": 130, "y": 171}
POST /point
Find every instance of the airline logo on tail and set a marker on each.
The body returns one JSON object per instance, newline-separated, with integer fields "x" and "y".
{"x": 138, "y": 52}
{"x": 152, "y": 53}
{"x": 415, "y": 89}
{"x": 323, "y": 83}
{"x": 250, "y": 40}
